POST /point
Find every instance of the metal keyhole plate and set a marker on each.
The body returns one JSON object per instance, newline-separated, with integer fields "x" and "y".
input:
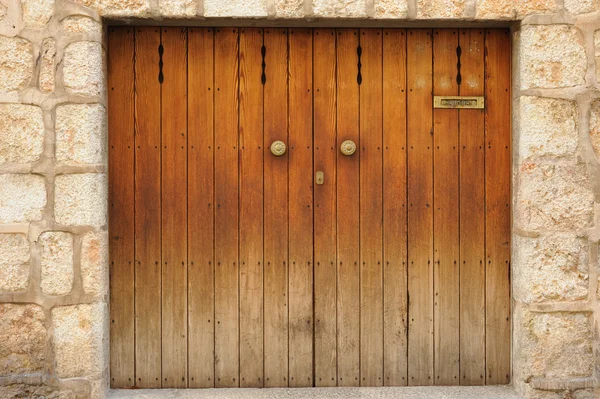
{"x": 348, "y": 147}
{"x": 278, "y": 148}
{"x": 320, "y": 178}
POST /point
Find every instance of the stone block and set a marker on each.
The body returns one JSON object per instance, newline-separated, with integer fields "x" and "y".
{"x": 80, "y": 199}
{"x": 80, "y": 25}
{"x": 80, "y": 134}
{"x": 118, "y": 8}
{"x": 79, "y": 340}
{"x": 391, "y": 9}
{"x": 547, "y": 127}
{"x": 23, "y": 338}
{"x": 57, "y": 262}
{"x": 21, "y": 133}
{"x": 36, "y": 392}
{"x": 441, "y": 9}
{"x": 14, "y": 262}
{"x": 37, "y": 13}
{"x": 235, "y": 8}
{"x": 94, "y": 263}
{"x": 551, "y": 56}
{"x": 554, "y": 196}
{"x": 48, "y": 53}
{"x": 177, "y": 8}
{"x": 535, "y": 7}
{"x": 554, "y": 345}
{"x": 595, "y": 127}
{"x": 22, "y": 198}
{"x": 550, "y": 268}
{"x": 340, "y": 8}
{"x": 289, "y": 9}
{"x": 496, "y": 9}
{"x": 16, "y": 64}
{"x": 581, "y": 6}
{"x": 597, "y": 54}
{"x": 82, "y": 70}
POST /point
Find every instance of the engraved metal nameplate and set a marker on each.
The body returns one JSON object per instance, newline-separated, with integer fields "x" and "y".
{"x": 458, "y": 102}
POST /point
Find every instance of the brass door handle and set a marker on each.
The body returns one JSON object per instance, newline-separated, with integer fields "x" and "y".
{"x": 278, "y": 148}
{"x": 348, "y": 147}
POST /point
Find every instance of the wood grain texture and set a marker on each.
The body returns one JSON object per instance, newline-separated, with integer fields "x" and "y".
{"x": 420, "y": 215}
{"x": 472, "y": 213}
{"x": 325, "y": 153}
{"x": 200, "y": 199}
{"x": 497, "y": 205}
{"x": 276, "y": 211}
{"x": 174, "y": 208}
{"x": 251, "y": 208}
{"x": 226, "y": 211}
{"x": 371, "y": 209}
{"x": 147, "y": 210}
{"x": 300, "y": 286}
{"x": 348, "y": 255}
{"x": 121, "y": 205}
{"x": 232, "y": 267}
{"x": 446, "y": 211}
{"x": 395, "y": 300}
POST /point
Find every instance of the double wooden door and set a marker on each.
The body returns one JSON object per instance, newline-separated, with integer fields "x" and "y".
{"x": 231, "y": 266}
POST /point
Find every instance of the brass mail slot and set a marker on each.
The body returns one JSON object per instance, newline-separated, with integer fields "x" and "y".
{"x": 458, "y": 102}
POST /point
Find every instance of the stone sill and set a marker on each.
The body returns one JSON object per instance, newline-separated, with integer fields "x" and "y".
{"x": 486, "y": 392}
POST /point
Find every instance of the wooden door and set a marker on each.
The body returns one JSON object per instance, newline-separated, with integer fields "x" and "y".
{"x": 235, "y": 267}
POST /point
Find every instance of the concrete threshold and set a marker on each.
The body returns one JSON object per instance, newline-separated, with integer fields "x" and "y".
{"x": 486, "y": 392}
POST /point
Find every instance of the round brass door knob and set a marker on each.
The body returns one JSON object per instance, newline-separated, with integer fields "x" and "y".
{"x": 278, "y": 148}
{"x": 348, "y": 147}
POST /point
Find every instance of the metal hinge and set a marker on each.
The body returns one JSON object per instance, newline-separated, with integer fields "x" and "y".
{"x": 359, "y": 53}
{"x": 161, "y": 50}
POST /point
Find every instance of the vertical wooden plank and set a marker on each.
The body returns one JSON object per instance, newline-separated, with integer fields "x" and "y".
{"x": 300, "y": 219}
{"x": 497, "y": 192}
{"x": 420, "y": 206}
{"x": 147, "y": 210}
{"x": 251, "y": 208}
{"x": 325, "y": 153}
{"x": 226, "y": 212}
{"x": 446, "y": 209}
{"x": 121, "y": 210}
{"x": 472, "y": 214}
{"x": 174, "y": 208}
{"x": 275, "y": 211}
{"x": 348, "y": 298}
{"x": 371, "y": 209}
{"x": 201, "y": 329}
{"x": 394, "y": 208}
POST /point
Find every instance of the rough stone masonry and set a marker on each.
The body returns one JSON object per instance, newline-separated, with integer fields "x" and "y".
{"x": 53, "y": 182}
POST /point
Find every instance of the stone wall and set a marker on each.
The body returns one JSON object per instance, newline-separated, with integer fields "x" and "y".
{"x": 53, "y": 184}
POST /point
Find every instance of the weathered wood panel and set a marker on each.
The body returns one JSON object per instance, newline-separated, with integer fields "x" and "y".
{"x": 251, "y": 208}
{"x": 227, "y": 208}
{"x": 420, "y": 207}
{"x": 147, "y": 210}
{"x": 201, "y": 191}
{"x": 348, "y": 255}
{"x": 395, "y": 294}
{"x": 121, "y": 144}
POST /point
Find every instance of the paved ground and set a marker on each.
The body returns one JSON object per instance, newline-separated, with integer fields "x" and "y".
{"x": 491, "y": 392}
